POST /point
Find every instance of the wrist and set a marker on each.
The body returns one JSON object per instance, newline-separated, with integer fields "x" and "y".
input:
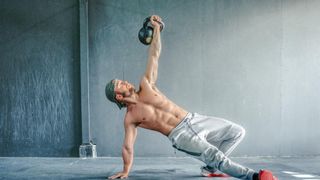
{"x": 157, "y": 26}
{"x": 126, "y": 169}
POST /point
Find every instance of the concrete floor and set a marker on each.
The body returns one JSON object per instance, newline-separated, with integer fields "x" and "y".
{"x": 297, "y": 168}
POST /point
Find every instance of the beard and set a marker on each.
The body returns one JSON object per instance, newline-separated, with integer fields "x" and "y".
{"x": 129, "y": 92}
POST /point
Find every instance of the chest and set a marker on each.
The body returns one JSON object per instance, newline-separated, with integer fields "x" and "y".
{"x": 152, "y": 97}
{"x": 143, "y": 113}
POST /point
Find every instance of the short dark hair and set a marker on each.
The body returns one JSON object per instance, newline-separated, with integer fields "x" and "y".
{"x": 111, "y": 94}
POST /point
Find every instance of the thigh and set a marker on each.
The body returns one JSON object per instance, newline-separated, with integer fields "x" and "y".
{"x": 190, "y": 143}
{"x": 196, "y": 147}
{"x": 213, "y": 129}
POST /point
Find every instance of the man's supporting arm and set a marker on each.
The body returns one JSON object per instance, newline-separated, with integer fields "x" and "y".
{"x": 154, "y": 52}
{"x": 127, "y": 148}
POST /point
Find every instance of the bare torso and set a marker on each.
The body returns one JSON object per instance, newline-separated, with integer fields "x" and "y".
{"x": 154, "y": 110}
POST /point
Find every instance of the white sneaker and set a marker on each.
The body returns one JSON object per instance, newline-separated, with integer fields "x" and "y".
{"x": 210, "y": 172}
{"x": 207, "y": 171}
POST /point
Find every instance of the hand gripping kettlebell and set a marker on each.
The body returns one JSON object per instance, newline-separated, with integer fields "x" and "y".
{"x": 146, "y": 32}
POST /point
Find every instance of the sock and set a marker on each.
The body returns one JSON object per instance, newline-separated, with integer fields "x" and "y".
{"x": 210, "y": 168}
{"x": 255, "y": 176}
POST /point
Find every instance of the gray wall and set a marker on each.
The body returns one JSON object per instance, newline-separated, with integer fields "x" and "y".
{"x": 39, "y": 78}
{"x": 253, "y": 62}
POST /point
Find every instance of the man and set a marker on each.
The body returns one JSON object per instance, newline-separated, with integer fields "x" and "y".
{"x": 208, "y": 139}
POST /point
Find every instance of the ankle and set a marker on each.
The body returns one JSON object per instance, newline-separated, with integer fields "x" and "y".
{"x": 255, "y": 176}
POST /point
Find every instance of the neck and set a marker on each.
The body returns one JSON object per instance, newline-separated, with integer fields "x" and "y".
{"x": 131, "y": 100}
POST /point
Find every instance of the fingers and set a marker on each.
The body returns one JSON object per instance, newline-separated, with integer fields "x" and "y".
{"x": 123, "y": 177}
{"x": 119, "y": 175}
{"x": 114, "y": 176}
{"x": 156, "y": 21}
{"x": 156, "y": 18}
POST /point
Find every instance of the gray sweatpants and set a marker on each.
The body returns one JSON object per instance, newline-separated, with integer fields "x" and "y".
{"x": 210, "y": 140}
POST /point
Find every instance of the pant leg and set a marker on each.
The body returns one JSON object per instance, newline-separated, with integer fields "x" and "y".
{"x": 191, "y": 143}
{"x": 223, "y": 134}
{"x": 229, "y": 144}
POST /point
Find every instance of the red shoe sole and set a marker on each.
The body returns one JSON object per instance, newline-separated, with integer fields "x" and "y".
{"x": 217, "y": 175}
{"x": 266, "y": 175}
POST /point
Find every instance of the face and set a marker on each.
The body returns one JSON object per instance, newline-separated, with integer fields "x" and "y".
{"x": 123, "y": 89}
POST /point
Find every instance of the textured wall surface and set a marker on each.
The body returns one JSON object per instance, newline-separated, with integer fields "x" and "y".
{"x": 252, "y": 62}
{"x": 39, "y": 78}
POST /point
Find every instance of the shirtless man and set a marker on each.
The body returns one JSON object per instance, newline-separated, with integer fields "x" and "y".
{"x": 208, "y": 139}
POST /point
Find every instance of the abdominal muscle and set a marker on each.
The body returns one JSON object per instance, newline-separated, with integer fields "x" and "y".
{"x": 160, "y": 115}
{"x": 154, "y": 110}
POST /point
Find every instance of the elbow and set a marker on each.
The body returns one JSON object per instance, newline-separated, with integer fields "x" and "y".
{"x": 155, "y": 54}
{"x": 127, "y": 149}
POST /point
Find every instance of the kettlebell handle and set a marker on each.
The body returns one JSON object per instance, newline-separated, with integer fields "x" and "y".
{"x": 148, "y": 19}
{"x": 146, "y": 32}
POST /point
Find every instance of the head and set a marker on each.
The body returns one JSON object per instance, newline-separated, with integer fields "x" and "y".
{"x": 117, "y": 91}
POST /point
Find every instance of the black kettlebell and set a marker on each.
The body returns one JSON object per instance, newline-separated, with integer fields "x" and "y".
{"x": 146, "y": 32}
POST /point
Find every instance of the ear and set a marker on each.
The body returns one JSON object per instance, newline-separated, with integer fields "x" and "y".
{"x": 119, "y": 97}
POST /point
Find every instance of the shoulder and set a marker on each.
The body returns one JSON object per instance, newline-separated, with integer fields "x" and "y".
{"x": 129, "y": 119}
{"x": 144, "y": 83}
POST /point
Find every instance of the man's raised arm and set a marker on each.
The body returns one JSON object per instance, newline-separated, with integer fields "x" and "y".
{"x": 127, "y": 148}
{"x": 154, "y": 51}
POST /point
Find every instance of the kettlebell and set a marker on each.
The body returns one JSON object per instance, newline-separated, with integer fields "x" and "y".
{"x": 146, "y": 32}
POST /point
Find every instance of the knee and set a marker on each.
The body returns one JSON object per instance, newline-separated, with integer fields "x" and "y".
{"x": 241, "y": 131}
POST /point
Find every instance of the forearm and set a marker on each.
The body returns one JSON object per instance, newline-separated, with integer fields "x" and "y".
{"x": 127, "y": 156}
{"x": 154, "y": 51}
{"x": 155, "y": 46}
